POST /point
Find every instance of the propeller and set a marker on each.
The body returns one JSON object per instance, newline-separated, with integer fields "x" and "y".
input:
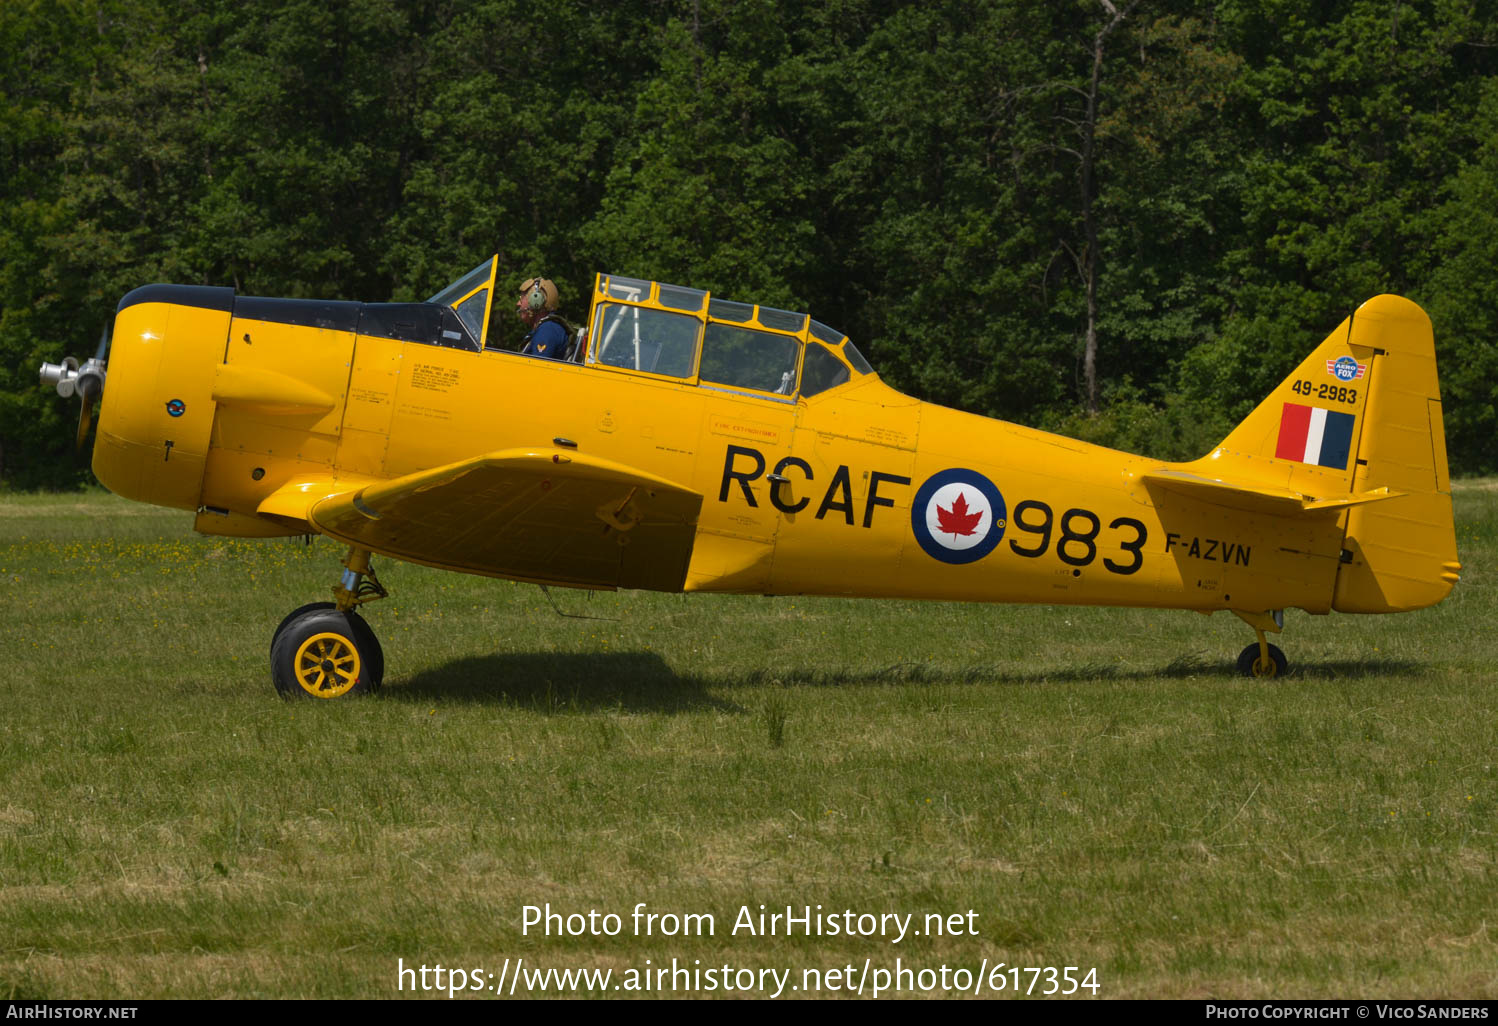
{"x": 86, "y": 382}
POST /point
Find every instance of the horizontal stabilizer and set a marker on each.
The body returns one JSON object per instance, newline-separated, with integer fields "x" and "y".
{"x": 1257, "y": 498}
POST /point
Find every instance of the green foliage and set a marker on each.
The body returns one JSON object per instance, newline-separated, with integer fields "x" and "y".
{"x": 708, "y": 188}
{"x": 1458, "y": 295}
{"x": 1179, "y": 428}
{"x": 912, "y": 174}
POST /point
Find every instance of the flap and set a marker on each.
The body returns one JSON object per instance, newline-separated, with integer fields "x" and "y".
{"x": 543, "y": 516}
{"x": 1256, "y": 498}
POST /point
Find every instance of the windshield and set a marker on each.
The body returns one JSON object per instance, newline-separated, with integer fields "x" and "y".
{"x": 464, "y": 285}
{"x": 471, "y": 297}
{"x": 836, "y": 340}
{"x": 821, "y": 371}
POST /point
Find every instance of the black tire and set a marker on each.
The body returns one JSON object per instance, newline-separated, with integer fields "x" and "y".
{"x": 299, "y": 611}
{"x": 375, "y": 653}
{"x": 1249, "y": 665}
{"x": 326, "y": 654}
{"x": 372, "y": 648}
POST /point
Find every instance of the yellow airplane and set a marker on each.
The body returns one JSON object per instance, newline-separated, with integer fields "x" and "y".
{"x": 695, "y": 444}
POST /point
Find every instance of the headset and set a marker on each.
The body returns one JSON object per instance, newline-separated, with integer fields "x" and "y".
{"x": 534, "y": 294}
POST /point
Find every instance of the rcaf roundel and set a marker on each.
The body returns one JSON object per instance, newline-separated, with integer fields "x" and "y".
{"x": 958, "y": 516}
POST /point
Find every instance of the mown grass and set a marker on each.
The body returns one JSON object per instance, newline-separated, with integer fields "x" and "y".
{"x": 1096, "y": 784}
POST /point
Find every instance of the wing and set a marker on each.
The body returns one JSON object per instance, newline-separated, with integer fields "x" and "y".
{"x": 545, "y": 517}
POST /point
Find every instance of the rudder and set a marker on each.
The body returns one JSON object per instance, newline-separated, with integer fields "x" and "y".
{"x": 1399, "y": 554}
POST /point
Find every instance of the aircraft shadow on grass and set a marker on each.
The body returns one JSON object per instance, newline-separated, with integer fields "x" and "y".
{"x": 1311, "y": 669}
{"x": 1351, "y": 669}
{"x": 564, "y": 681}
{"x": 992, "y": 675}
{"x": 643, "y": 682}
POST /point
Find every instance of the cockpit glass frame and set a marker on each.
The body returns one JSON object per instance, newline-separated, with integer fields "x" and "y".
{"x": 464, "y": 285}
{"x": 854, "y": 357}
{"x": 740, "y": 357}
{"x": 822, "y": 332}
{"x": 638, "y": 326}
{"x": 646, "y": 340}
{"x": 471, "y": 297}
{"x": 821, "y": 370}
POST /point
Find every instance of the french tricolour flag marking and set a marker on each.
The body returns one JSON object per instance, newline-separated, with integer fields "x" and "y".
{"x": 1310, "y": 434}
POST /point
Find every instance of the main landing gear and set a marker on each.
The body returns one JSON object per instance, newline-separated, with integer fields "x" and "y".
{"x": 1261, "y": 659}
{"x": 326, "y": 649}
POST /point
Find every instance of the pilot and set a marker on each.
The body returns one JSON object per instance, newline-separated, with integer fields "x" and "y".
{"x": 549, "y": 334}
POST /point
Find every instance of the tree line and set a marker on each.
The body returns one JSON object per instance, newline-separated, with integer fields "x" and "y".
{"x": 1122, "y": 219}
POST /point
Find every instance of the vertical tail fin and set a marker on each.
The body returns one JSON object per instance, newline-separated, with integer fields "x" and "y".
{"x": 1361, "y": 414}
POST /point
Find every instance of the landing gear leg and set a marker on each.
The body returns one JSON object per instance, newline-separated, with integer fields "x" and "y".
{"x": 352, "y": 589}
{"x": 1262, "y": 659}
{"x": 326, "y": 649}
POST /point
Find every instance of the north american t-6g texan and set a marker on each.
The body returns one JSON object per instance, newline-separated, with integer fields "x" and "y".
{"x": 690, "y": 443}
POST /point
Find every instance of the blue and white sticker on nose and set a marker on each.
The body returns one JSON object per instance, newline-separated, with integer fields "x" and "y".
{"x": 958, "y": 516}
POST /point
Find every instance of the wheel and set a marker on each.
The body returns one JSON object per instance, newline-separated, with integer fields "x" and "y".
{"x": 375, "y": 653}
{"x": 1250, "y": 665}
{"x": 326, "y": 654}
{"x": 371, "y": 648}
{"x": 323, "y": 653}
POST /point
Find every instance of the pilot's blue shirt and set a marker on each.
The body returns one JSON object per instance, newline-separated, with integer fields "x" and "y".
{"x": 548, "y": 339}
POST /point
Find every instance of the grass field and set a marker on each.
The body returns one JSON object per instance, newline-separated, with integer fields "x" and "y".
{"x": 1097, "y": 785}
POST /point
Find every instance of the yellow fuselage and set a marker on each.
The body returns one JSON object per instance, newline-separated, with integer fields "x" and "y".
{"x": 213, "y": 411}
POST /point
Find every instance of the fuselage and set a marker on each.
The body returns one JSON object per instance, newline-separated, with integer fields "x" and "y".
{"x": 216, "y": 403}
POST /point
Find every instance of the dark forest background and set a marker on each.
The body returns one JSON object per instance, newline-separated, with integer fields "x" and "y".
{"x": 1125, "y": 221}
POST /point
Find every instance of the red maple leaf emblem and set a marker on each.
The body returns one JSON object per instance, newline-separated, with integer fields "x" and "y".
{"x": 958, "y": 520}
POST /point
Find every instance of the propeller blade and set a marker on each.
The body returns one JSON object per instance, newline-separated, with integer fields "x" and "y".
{"x": 85, "y": 421}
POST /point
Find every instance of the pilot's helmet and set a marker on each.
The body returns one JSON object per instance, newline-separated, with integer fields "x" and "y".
{"x": 538, "y": 294}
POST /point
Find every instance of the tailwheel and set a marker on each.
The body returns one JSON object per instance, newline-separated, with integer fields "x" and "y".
{"x": 319, "y": 652}
{"x": 1261, "y": 659}
{"x": 1251, "y": 661}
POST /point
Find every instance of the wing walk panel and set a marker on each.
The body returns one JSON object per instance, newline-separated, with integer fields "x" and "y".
{"x": 549, "y": 517}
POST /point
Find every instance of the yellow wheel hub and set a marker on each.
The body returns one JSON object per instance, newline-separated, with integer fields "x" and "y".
{"x": 326, "y": 665}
